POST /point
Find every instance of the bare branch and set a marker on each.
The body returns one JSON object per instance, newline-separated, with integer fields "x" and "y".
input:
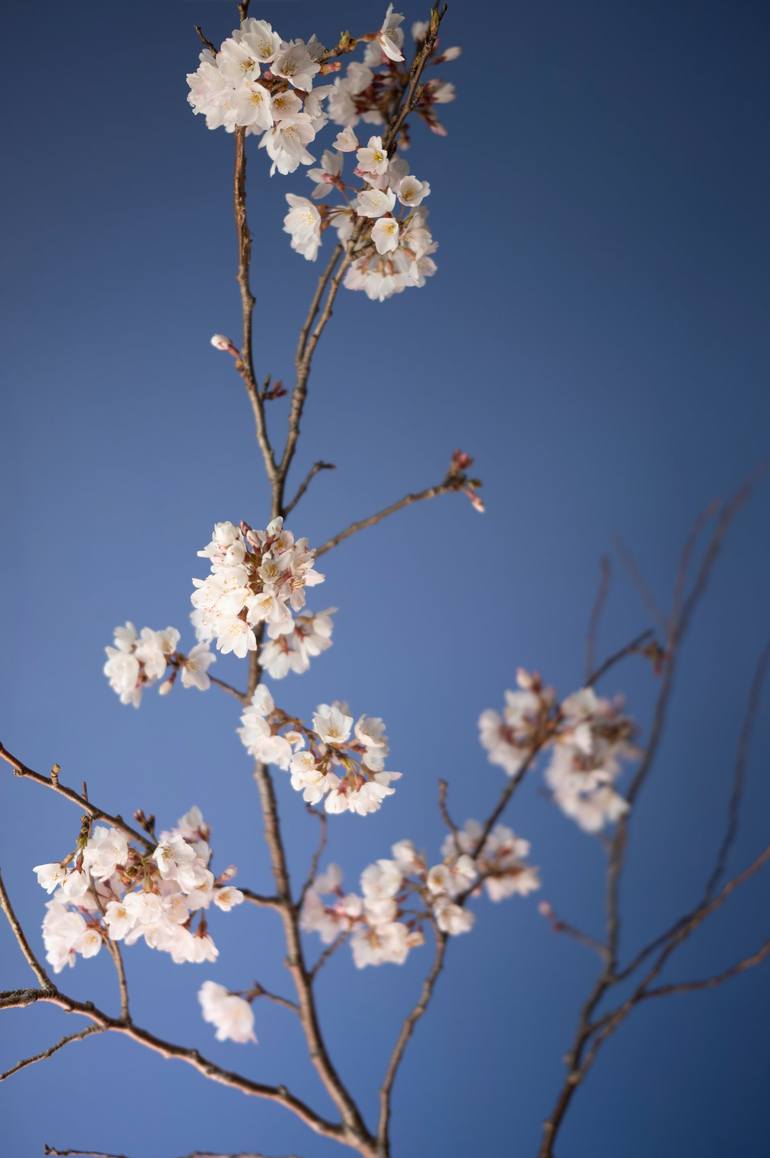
{"x": 81, "y": 801}
{"x": 603, "y": 590}
{"x": 5, "y": 904}
{"x": 739, "y": 771}
{"x": 323, "y": 840}
{"x": 38, "y": 1057}
{"x": 245, "y": 364}
{"x": 315, "y": 469}
{"x": 712, "y": 982}
{"x": 82, "y": 1153}
{"x": 407, "y": 1029}
{"x": 354, "y": 1126}
{"x": 208, "y": 1069}
{"x": 329, "y": 952}
{"x": 444, "y": 488}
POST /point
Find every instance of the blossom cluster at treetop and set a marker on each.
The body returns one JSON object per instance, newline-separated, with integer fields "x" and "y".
{"x": 109, "y": 889}
{"x": 266, "y": 86}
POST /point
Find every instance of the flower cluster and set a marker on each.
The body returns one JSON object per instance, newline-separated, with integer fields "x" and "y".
{"x": 135, "y": 662}
{"x": 335, "y": 761}
{"x": 262, "y": 84}
{"x": 511, "y": 738}
{"x": 588, "y": 737}
{"x": 108, "y": 888}
{"x": 292, "y": 651}
{"x": 594, "y": 738}
{"x": 230, "y": 1014}
{"x": 256, "y": 577}
{"x": 399, "y": 895}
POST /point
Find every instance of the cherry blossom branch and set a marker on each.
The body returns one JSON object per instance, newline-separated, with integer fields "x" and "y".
{"x": 354, "y": 1127}
{"x": 46, "y": 1053}
{"x": 315, "y": 469}
{"x": 5, "y": 904}
{"x": 603, "y": 590}
{"x": 323, "y": 840}
{"x": 208, "y": 1069}
{"x": 712, "y": 982}
{"x": 329, "y": 952}
{"x": 81, "y": 1153}
{"x": 590, "y": 1034}
{"x": 739, "y": 771}
{"x": 81, "y": 801}
{"x": 258, "y": 990}
{"x": 565, "y": 928}
{"x": 404, "y": 1037}
{"x": 245, "y": 363}
{"x": 443, "y": 488}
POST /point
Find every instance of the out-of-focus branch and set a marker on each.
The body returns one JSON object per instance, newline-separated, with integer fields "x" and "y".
{"x": 602, "y": 592}
{"x": 329, "y": 952}
{"x": 323, "y": 840}
{"x": 38, "y": 1057}
{"x": 739, "y": 772}
{"x": 51, "y": 1150}
{"x": 592, "y": 1033}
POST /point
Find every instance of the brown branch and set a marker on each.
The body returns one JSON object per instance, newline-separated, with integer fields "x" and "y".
{"x": 258, "y": 990}
{"x": 739, "y": 771}
{"x": 712, "y": 982}
{"x": 208, "y": 1069}
{"x": 444, "y": 488}
{"x": 38, "y": 1057}
{"x": 443, "y": 807}
{"x": 600, "y": 601}
{"x": 261, "y": 902}
{"x": 26, "y": 951}
{"x": 631, "y": 648}
{"x": 323, "y": 840}
{"x": 329, "y": 952}
{"x": 355, "y": 1130}
{"x": 240, "y": 696}
{"x": 245, "y": 363}
{"x": 407, "y": 1029}
{"x": 54, "y": 784}
{"x": 83, "y": 1153}
{"x": 315, "y": 469}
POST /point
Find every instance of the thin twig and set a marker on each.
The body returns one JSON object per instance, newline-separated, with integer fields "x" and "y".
{"x": 739, "y": 772}
{"x": 81, "y": 801}
{"x": 362, "y": 524}
{"x": 315, "y": 469}
{"x": 329, "y": 952}
{"x": 38, "y": 1057}
{"x": 323, "y": 840}
{"x": 407, "y": 1029}
{"x": 38, "y": 970}
{"x": 603, "y": 590}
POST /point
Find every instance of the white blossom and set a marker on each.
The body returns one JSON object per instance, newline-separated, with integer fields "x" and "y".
{"x": 232, "y": 1016}
{"x": 303, "y": 224}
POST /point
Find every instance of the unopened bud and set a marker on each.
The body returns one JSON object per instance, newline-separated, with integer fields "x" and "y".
{"x": 221, "y": 342}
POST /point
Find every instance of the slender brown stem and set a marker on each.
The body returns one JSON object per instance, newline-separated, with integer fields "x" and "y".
{"x": 444, "y": 488}
{"x": 356, "y": 1132}
{"x": 46, "y": 1053}
{"x": 5, "y": 904}
{"x": 407, "y": 1029}
{"x": 80, "y": 800}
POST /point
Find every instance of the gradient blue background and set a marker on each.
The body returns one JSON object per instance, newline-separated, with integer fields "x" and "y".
{"x": 597, "y": 336}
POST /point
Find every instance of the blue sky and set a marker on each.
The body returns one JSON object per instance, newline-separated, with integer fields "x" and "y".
{"x": 597, "y": 337}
